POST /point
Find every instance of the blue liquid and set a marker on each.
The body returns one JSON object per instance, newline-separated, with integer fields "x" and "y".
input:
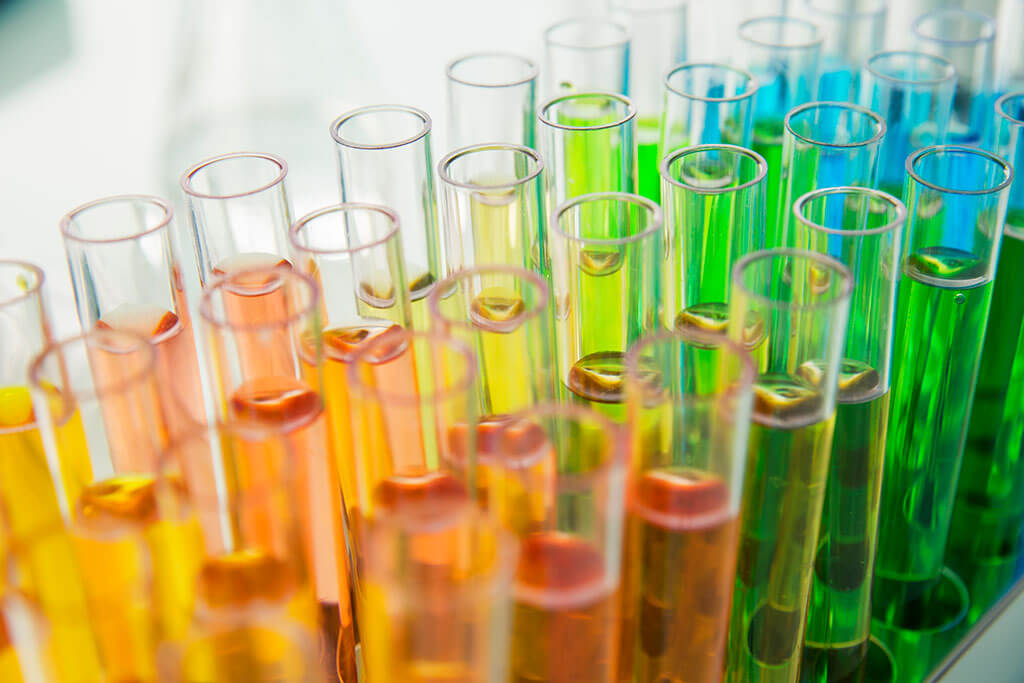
{"x": 838, "y": 83}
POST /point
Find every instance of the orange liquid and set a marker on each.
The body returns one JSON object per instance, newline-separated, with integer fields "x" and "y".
{"x": 566, "y": 617}
{"x": 677, "y": 577}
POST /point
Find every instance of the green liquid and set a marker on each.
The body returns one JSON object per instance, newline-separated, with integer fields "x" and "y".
{"x": 503, "y": 228}
{"x": 939, "y": 331}
{"x": 594, "y": 160}
{"x": 786, "y": 471}
{"x": 767, "y": 141}
{"x": 649, "y": 177}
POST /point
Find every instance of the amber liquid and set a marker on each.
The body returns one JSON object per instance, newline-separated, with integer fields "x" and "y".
{"x": 677, "y": 577}
{"x": 598, "y": 381}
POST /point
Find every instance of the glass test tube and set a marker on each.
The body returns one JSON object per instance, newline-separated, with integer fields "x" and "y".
{"x": 559, "y": 472}
{"x": 967, "y": 40}
{"x": 803, "y": 300}
{"x": 384, "y": 158}
{"x": 658, "y": 30}
{"x": 255, "y": 616}
{"x": 956, "y": 198}
{"x": 491, "y": 98}
{"x": 988, "y": 519}
{"x": 784, "y": 55}
{"x": 586, "y": 54}
{"x": 913, "y": 92}
{"x": 492, "y": 203}
{"x": 608, "y": 253}
{"x": 706, "y": 104}
{"x": 714, "y": 199}
{"x": 689, "y": 400}
{"x": 827, "y": 144}
{"x": 262, "y": 334}
{"x": 120, "y": 569}
{"x": 853, "y": 30}
{"x": 861, "y": 228}
{"x": 589, "y": 143}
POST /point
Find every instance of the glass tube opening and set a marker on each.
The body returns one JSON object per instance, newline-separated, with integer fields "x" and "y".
{"x": 697, "y": 81}
{"x": 344, "y": 228}
{"x": 234, "y": 175}
{"x": 948, "y": 601}
{"x": 835, "y": 124}
{"x": 714, "y": 169}
{"x": 19, "y": 281}
{"x": 742, "y": 371}
{"x": 858, "y": 201}
{"x": 781, "y": 32}
{"x": 587, "y": 34}
{"x": 955, "y": 27}
{"x": 384, "y": 126}
{"x": 916, "y": 68}
{"x": 492, "y": 70}
{"x": 114, "y": 219}
{"x": 490, "y": 167}
{"x": 478, "y": 278}
{"x": 639, "y": 217}
{"x": 754, "y": 274}
{"x": 612, "y": 109}
{"x": 301, "y": 291}
{"x": 1011, "y": 107}
{"x": 937, "y": 169}
{"x": 544, "y": 430}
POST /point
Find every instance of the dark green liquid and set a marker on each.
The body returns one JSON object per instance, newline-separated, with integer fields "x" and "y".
{"x": 648, "y": 161}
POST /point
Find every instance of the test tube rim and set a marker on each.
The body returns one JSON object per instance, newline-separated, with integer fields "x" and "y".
{"x": 762, "y": 167}
{"x": 424, "y": 117}
{"x": 186, "y": 177}
{"x": 532, "y": 70}
{"x": 343, "y": 207}
{"x": 67, "y": 229}
{"x": 822, "y": 259}
{"x": 617, "y": 438}
{"x": 815, "y": 42}
{"x": 631, "y": 111}
{"x": 445, "y": 285}
{"x": 896, "y": 223}
{"x": 883, "y": 6}
{"x": 624, "y": 31}
{"x": 219, "y": 281}
{"x": 939, "y": 149}
{"x": 752, "y": 83}
{"x": 828, "y": 104}
{"x": 1001, "y": 103}
{"x": 532, "y": 154}
{"x": 985, "y": 21}
{"x": 657, "y": 217}
{"x": 36, "y": 289}
{"x": 869, "y": 64}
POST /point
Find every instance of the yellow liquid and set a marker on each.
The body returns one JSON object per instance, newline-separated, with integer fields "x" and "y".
{"x": 278, "y": 651}
{"x": 504, "y": 351}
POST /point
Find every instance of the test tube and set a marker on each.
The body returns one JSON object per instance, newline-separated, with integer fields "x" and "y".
{"x": 706, "y": 104}
{"x": 1009, "y": 51}
{"x": 803, "y": 299}
{"x": 861, "y": 228}
{"x": 492, "y": 199}
{"x": 853, "y": 31}
{"x": 967, "y": 40}
{"x": 714, "y": 199}
{"x": 608, "y": 255}
{"x": 988, "y": 518}
{"x": 384, "y": 158}
{"x": 689, "y": 415}
{"x": 827, "y": 144}
{"x": 491, "y": 98}
{"x": 784, "y": 55}
{"x": 913, "y": 92}
{"x": 586, "y": 54}
{"x": 589, "y": 143}
{"x": 659, "y": 30}
{"x": 956, "y": 198}
{"x": 27, "y": 654}
{"x": 569, "y": 518}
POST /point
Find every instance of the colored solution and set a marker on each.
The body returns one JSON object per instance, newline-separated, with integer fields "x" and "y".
{"x": 677, "y": 577}
{"x": 787, "y": 469}
{"x": 767, "y": 141}
{"x": 648, "y": 161}
{"x": 502, "y": 228}
{"x": 592, "y": 160}
{"x": 941, "y": 311}
{"x": 838, "y": 83}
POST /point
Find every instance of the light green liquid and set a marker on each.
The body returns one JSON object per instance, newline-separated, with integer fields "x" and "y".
{"x": 648, "y": 159}
{"x": 767, "y": 141}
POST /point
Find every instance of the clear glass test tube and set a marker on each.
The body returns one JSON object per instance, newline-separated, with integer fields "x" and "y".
{"x": 689, "y": 397}
{"x": 491, "y": 98}
{"x": 492, "y": 206}
{"x": 861, "y": 228}
{"x": 1009, "y": 144}
{"x": 608, "y": 253}
{"x": 827, "y": 144}
{"x": 956, "y": 198}
{"x": 853, "y": 30}
{"x": 384, "y": 157}
{"x": 802, "y": 300}
{"x": 705, "y": 104}
{"x": 913, "y": 92}
{"x": 262, "y": 332}
{"x": 586, "y": 54}
{"x": 714, "y": 215}
{"x": 784, "y": 55}
{"x": 558, "y": 482}
{"x": 967, "y": 39}
{"x": 588, "y": 141}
